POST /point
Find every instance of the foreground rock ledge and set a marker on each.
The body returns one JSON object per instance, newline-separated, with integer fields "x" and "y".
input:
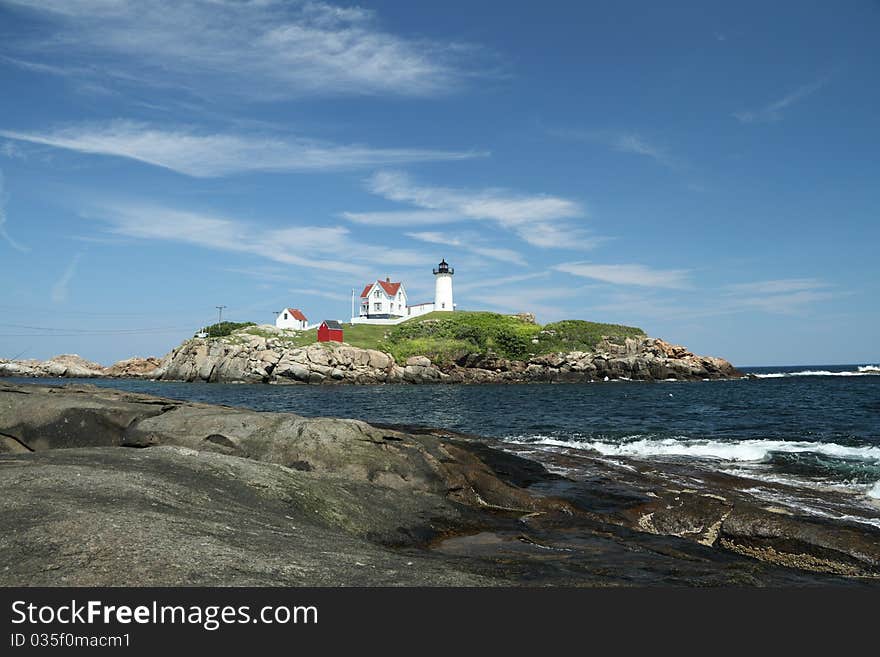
{"x": 102, "y": 487}
{"x": 246, "y": 358}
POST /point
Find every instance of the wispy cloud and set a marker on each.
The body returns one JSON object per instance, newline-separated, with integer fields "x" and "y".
{"x": 778, "y": 286}
{"x": 268, "y": 274}
{"x": 326, "y": 248}
{"x": 470, "y": 243}
{"x": 633, "y": 143}
{"x": 262, "y": 48}
{"x": 60, "y": 288}
{"x": 404, "y": 218}
{"x": 207, "y": 155}
{"x": 11, "y": 150}
{"x": 3, "y": 233}
{"x": 324, "y": 294}
{"x": 540, "y": 220}
{"x": 627, "y": 274}
{"x": 622, "y": 142}
{"x": 773, "y": 111}
{"x": 482, "y": 283}
{"x": 780, "y": 296}
{"x": 531, "y": 299}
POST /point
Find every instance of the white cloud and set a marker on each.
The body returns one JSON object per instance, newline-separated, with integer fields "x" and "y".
{"x": 778, "y": 286}
{"x": 333, "y": 296}
{"x": 784, "y": 304}
{"x": 633, "y": 143}
{"x": 60, "y": 289}
{"x": 531, "y": 300}
{"x": 540, "y": 220}
{"x": 3, "y": 233}
{"x": 208, "y": 155}
{"x": 470, "y": 243}
{"x": 773, "y": 111}
{"x": 327, "y": 248}
{"x": 403, "y": 219}
{"x": 263, "y": 48}
{"x": 781, "y": 296}
{"x": 628, "y": 274}
{"x": 11, "y": 150}
{"x": 482, "y": 283}
{"x": 623, "y": 142}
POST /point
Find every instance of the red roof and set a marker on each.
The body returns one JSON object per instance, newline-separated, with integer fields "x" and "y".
{"x": 390, "y": 288}
{"x": 297, "y": 314}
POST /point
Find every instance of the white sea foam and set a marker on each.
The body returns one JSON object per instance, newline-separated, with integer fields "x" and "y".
{"x": 864, "y": 370}
{"x": 740, "y": 450}
{"x": 746, "y": 458}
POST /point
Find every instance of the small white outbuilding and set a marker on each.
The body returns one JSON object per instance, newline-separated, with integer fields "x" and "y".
{"x": 291, "y": 318}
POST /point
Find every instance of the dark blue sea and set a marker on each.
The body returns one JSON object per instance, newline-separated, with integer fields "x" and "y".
{"x": 817, "y": 425}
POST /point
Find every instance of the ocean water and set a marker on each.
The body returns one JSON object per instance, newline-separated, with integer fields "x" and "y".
{"x": 816, "y": 426}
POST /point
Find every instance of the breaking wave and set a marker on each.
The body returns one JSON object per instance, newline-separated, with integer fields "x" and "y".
{"x": 864, "y": 370}
{"x": 854, "y": 467}
{"x": 733, "y": 450}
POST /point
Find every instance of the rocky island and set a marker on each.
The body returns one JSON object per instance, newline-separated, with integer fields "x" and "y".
{"x": 459, "y": 348}
{"x": 103, "y": 487}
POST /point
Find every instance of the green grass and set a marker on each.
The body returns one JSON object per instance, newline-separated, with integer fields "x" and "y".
{"x": 578, "y": 335}
{"x": 445, "y": 337}
{"x": 358, "y": 335}
{"x": 225, "y": 328}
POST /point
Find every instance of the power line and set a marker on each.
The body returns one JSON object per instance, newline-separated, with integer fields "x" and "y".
{"x": 55, "y": 330}
{"x": 78, "y": 313}
{"x": 85, "y": 335}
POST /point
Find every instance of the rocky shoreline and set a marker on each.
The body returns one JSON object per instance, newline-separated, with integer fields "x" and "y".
{"x": 103, "y": 487}
{"x": 246, "y": 358}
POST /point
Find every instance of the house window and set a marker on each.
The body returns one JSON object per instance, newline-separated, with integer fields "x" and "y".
{"x": 285, "y": 315}
{"x": 443, "y": 305}
{"x": 376, "y": 294}
{"x": 377, "y": 306}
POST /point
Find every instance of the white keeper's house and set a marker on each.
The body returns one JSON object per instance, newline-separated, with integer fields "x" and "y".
{"x": 291, "y": 318}
{"x": 385, "y": 302}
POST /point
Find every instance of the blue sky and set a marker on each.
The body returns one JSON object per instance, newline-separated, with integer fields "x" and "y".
{"x": 707, "y": 171}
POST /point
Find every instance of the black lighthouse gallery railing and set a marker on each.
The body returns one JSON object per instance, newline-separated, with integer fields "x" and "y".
{"x": 444, "y": 268}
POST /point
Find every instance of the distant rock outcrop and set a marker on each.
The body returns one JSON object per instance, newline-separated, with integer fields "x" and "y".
{"x": 134, "y": 367}
{"x": 73, "y": 366}
{"x": 66, "y": 365}
{"x": 248, "y": 358}
{"x": 254, "y": 359}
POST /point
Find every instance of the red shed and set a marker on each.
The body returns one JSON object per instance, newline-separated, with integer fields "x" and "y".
{"x": 330, "y": 331}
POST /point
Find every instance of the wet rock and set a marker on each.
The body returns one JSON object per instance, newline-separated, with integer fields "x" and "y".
{"x": 226, "y": 496}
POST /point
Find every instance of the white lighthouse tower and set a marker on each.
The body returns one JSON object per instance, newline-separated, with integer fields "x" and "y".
{"x": 443, "y": 287}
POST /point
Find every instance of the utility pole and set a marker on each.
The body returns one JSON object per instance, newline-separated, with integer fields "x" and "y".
{"x": 219, "y": 314}
{"x": 352, "y": 303}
